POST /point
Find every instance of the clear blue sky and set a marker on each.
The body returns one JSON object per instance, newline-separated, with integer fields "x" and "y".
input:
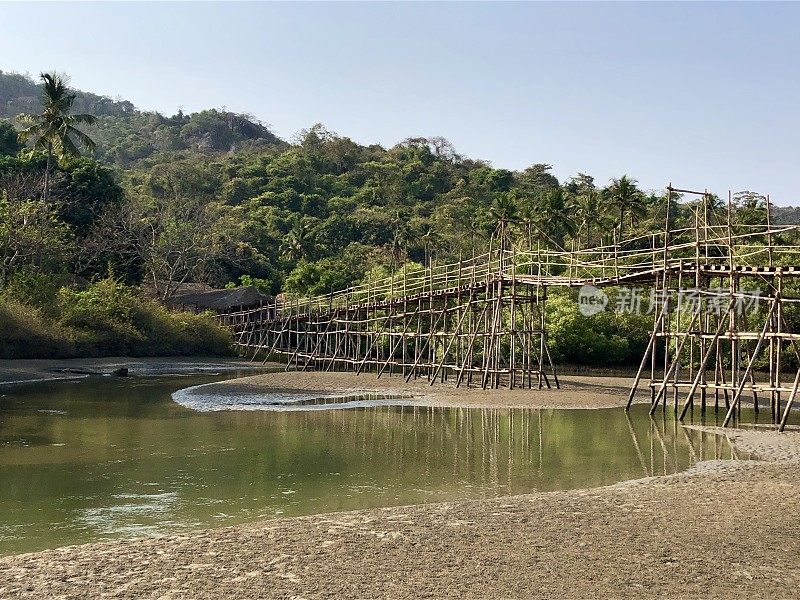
{"x": 703, "y": 95}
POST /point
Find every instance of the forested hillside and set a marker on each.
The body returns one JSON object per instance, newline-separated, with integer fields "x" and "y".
{"x": 126, "y": 136}
{"x": 215, "y": 197}
{"x": 22, "y": 94}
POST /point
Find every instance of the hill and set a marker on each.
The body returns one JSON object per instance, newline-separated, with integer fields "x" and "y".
{"x": 786, "y": 215}
{"x": 126, "y": 135}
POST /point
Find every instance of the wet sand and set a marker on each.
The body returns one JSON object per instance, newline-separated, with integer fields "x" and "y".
{"x": 30, "y": 370}
{"x": 577, "y": 391}
{"x": 720, "y": 530}
{"x": 723, "y": 529}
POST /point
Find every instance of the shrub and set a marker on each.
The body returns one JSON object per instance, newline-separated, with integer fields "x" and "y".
{"x": 110, "y": 318}
{"x": 102, "y": 317}
{"x": 179, "y": 333}
{"x": 25, "y": 334}
{"x": 106, "y": 319}
{"x": 606, "y": 338}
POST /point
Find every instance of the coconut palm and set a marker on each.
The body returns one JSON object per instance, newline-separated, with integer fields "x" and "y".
{"x": 504, "y": 211}
{"x": 626, "y": 197}
{"x": 429, "y": 237}
{"x": 55, "y": 129}
{"x": 714, "y": 203}
{"x": 527, "y": 219}
{"x": 553, "y": 217}
{"x": 297, "y": 242}
{"x": 588, "y": 210}
{"x": 401, "y": 234}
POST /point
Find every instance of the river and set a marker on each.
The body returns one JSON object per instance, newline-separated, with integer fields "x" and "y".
{"x": 107, "y": 457}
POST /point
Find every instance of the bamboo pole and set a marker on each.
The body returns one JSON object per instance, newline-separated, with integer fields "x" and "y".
{"x": 737, "y": 396}
{"x": 673, "y": 365}
{"x": 704, "y": 361}
{"x": 789, "y": 402}
{"x": 648, "y": 350}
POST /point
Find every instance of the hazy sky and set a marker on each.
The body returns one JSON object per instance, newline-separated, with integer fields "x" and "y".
{"x": 703, "y": 95}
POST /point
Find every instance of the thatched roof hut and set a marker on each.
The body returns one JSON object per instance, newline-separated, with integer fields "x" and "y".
{"x": 201, "y": 298}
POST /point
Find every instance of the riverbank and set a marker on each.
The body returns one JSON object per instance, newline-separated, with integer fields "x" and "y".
{"x": 723, "y": 529}
{"x": 720, "y": 530}
{"x": 106, "y": 318}
{"x": 30, "y": 370}
{"x": 577, "y": 391}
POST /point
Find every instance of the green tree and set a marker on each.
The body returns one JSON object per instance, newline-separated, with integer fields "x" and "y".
{"x": 9, "y": 139}
{"x": 32, "y": 238}
{"x": 297, "y": 242}
{"x": 503, "y": 212}
{"x": 626, "y": 197}
{"x": 588, "y": 209}
{"x": 536, "y": 180}
{"x": 553, "y": 217}
{"x": 85, "y": 187}
{"x": 401, "y": 235}
{"x": 750, "y": 208}
{"x": 55, "y": 130}
{"x": 578, "y": 184}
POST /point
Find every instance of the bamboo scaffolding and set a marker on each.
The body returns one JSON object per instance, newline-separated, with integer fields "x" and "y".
{"x": 483, "y": 319}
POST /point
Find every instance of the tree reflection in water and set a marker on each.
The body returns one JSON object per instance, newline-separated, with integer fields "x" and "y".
{"x": 108, "y": 458}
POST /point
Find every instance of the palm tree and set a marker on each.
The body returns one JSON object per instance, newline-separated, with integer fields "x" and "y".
{"x": 297, "y": 242}
{"x": 504, "y": 211}
{"x": 527, "y": 220}
{"x": 588, "y": 210}
{"x": 400, "y": 238}
{"x": 54, "y": 130}
{"x": 429, "y": 237}
{"x": 625, "y": 196}
{"x": 553, "y": 217}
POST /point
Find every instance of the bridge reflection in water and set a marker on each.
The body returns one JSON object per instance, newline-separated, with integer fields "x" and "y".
{"x": 507, "y": 451}
{"x": 115, "y": 458}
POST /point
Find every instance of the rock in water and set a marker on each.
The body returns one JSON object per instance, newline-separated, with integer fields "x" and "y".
{"x": 121, "y": 372}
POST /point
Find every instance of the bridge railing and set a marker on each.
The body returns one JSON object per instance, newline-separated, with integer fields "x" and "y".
{"x": 746, "y": 245}
{"x": 743, "y": 245}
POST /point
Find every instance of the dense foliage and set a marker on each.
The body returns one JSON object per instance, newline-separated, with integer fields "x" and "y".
{"x": 104, "y": 319}
{"x": 216, "y": 197}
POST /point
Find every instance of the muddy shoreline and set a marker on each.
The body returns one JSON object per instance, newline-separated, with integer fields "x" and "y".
{"x": 32, "y": 370}
{"x": 723, "y": 529}
{"x": 720, "y": 530}
{"x": 577, "y": 391}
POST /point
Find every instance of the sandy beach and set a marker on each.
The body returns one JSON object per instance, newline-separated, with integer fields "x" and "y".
{"x": 723, "y": 529}
{"x": 720, "y": 530}
{"x": 577, "y": 391}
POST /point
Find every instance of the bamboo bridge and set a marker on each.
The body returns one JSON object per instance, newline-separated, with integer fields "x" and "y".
{"x": 483, "y": 321}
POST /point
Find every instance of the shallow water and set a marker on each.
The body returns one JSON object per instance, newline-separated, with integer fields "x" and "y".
{"x": 199, "y": 399}
{"x": 105, "y": 457}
